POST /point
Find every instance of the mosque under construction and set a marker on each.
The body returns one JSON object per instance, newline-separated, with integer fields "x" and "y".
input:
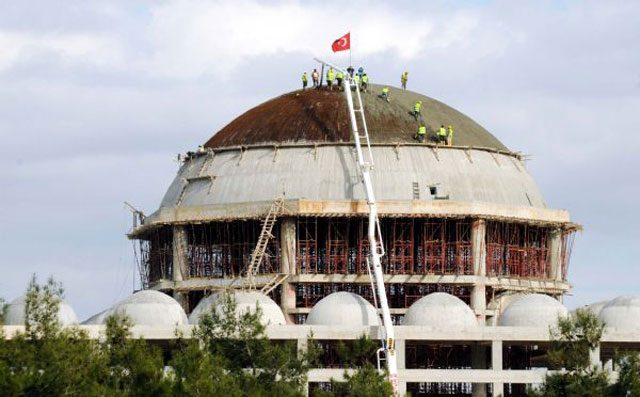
{"x": 272, "y": 208}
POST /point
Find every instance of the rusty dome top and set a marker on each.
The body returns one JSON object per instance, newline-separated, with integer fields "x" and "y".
{"x": 320, "y": 116}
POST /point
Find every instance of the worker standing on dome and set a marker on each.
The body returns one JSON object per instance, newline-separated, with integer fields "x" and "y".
{"x": 422, "y": 132}
{"x": 365, "y": 82}
{"x": 385, "y": 93}
{"x": 442, "y": 134}
{"x": 356, "y": 80}
{"x": 360, "y": 72}
{"x": 315, "y": 76}
{"x": 304, "y": 81}
{"x": 331, "y": 74}
{"x": 417, "y": 110}
{"x": 449, "y": 135}
{"x": 350, "y": 70}
{"x": 339, "y": 78}
{"x": 403, "y": 79}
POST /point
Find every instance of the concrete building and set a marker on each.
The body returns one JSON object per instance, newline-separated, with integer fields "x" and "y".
{"x": 475, "y": 266}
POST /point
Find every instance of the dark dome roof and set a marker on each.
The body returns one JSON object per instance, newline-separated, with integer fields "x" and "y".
{"x": 320, "y": 116}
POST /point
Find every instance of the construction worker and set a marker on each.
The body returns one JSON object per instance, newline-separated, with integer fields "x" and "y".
{"x": 315, "y": 76}
{"x": 331, "y": 74}
{"x": 422, "y": 133}
{"x": 416, "y": 109}
{"x": 339, "y": 78}
{"x": 385, "y": 93}
{"x": 442, "y": 134}
{"x": 304, "y": 81}
{"x": 350, "y": 70}
{"x": 365, "y": 82}
{"x": 403, "y": 79}
{"x": 360, "y": 72}
{"x": 449, "y": 135}
{"x": 356, "y": 79}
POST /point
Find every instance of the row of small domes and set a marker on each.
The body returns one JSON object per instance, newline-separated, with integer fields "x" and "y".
{"x": 438, "y": 310}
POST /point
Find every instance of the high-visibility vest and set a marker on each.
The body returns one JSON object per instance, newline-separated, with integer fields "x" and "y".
{"x": 340, "y": 75}
{"x": 450, "y": 131}
{"x": 365, "y": 78}
{"x": 422, "y": 130}
{"x": 304, "y": 77}
{"x": 442, "y": 132}
{"x": 405, "y": 75}
{"x": 417, "y": 106}
{"x": 330, "y": 75}
{"x": 385, "y": 90}
{"x": 357, "y": 78}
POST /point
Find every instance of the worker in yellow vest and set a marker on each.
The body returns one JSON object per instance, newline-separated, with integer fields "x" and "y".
{"x": 385, "y": 94}
{"x": 417, "y": 108}
{"x": 403, "y": 79}
{"x": 442, "y": 134}
{"x": 365, "y": 82}
{"x": 421, "y": 134}
{"x": 331, "y": 75}
{"x": 339, "y": 78}
{"x": 305, "y": 80}
{"x": 449, "y": 135}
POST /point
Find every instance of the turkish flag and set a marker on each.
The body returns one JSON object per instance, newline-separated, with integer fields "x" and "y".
{"x": 343, "y": 43}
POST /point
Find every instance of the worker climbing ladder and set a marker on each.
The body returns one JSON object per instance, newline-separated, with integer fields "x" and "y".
{"x": 263, "y": 240}
{"x": 365, "y": 163}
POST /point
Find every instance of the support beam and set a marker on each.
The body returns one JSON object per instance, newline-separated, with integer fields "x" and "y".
{"x": 478, "y": 361}
{"x": 180, "y": 263}
{"x": 401, "y": 358}
{"x": 555, "y": 254}
{"x": 288, "y": 244}
{"x": 496, "y": 365}
{"x": 479, "y": 254}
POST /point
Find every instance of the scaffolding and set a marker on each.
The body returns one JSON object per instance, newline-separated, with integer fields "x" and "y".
{"x": 517, "y": 250}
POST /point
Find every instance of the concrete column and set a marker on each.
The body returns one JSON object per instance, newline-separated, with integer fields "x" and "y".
{"x": 478, "y": 361}
{"x": 594, "y": 357}
{"x": 401, "y": 359}
{"x": 288, "y": 245}
{"x": 302, "y": 347}
{"x": 555, "y": 254}
{"x": 479, "y": 253}
{"x": 496, "y": 365}
{"x": 180, "y": 268}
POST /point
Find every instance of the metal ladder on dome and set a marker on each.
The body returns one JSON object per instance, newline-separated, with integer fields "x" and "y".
{"x": 374, "y": 234}
{"x": 261, "y": 246}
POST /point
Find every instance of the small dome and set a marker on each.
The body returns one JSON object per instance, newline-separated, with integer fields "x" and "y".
{"x": 622, "y": 312}
{"x": 345, "y": 309}
{"x": 147, "y": 307}
{"x": 440, "y": 310}
{"x": 15, "y": 313}
{"x": 245, "y": 301}
{"x": 533, "y": 310}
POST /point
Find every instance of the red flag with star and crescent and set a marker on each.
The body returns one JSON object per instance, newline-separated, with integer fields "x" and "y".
{"x": 342, "y": 44}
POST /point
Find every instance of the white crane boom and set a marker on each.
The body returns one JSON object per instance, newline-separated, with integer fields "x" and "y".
{"x": 376, "y": 247}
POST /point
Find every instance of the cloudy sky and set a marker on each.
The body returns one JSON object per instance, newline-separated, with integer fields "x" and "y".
{"x": 97, "y": 98}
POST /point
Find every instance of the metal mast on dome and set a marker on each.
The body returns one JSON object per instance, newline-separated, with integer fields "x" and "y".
{"x": 376, "y": 250}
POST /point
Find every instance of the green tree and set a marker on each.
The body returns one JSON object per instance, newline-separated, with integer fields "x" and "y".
{"x": 47, "y": 359}
{"x": 571, "y": 342}
{"x": 628, "y": 384}
{"x": 239, "y": 344}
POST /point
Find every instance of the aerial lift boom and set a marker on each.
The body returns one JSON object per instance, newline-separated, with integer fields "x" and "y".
{"x": 376, "y": 247}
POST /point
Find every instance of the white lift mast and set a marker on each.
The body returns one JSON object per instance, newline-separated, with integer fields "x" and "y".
{"x": 374, "y": 235}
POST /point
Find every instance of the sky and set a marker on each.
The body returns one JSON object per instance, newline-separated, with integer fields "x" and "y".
{"x": 97, "y": 98}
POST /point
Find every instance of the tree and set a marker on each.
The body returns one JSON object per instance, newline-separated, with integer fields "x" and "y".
{"x": 571, "y": 343}
{"x": 258, "y": 366}
{"x": 628, "y": 383}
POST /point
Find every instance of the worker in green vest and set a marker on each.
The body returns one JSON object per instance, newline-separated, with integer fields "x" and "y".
{"x": 403, "y": 79}
{"x": 421, "y": 134}
{"x": 385, "y": 94}
{"x": 365, "y": 82}
{"x": 331, "y": 75}
{"x": 339, "y": 78}
{"x": 305, "y": 79}
{"x": 416, "y": 109}
{"x": 442, "y": 134}
{"x": 449, "y": 135}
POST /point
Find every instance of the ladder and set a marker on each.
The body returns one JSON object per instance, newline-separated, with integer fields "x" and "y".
{"x": 365, "y": 163}
{"x": 273, "y": 283}
{"x": 263, "y": 240}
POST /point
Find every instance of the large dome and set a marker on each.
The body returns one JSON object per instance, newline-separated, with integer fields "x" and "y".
{"x": 320, "y": 116}
{"x": 147, "y": 307}
{"x": 343, "y": 309}
{"x": 245, "y": 302}
{"x": 533, "y": 310}
{"x": 622, "y": 312}
{"x": 15, "y": 313}
{"x": 440, "y": 310}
